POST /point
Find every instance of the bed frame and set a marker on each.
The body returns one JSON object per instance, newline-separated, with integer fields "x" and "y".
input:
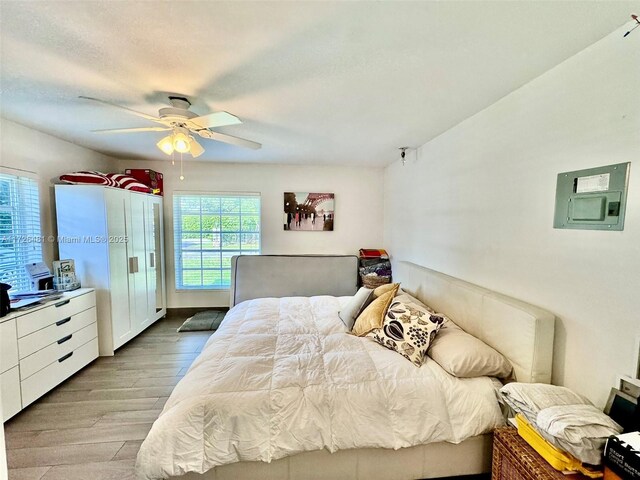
{"x": 521, "y": 332}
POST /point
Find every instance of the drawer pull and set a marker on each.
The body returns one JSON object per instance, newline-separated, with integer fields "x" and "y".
{"x": 64, "y": 339}
{"x": 62, "y": 359}
{"x": 63, "y": 321}
{"x": 64, "y": 302}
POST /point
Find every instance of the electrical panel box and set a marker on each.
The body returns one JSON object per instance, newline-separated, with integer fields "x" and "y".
{"x": 592, "y": 199}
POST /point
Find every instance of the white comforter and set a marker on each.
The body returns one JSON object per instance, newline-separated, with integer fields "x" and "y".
{"x": 282, "y": 376}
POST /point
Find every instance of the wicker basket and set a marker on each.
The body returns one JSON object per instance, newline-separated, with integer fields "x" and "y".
{"x": 373, "y": 281}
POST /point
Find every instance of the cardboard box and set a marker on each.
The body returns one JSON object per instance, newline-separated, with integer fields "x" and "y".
{"x": 150, "y": 178}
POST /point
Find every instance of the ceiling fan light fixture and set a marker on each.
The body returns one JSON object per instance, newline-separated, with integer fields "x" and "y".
{"x": 181, "y": 142}
{"x": 196, "y": 149}
{"x": 166, "y": 145}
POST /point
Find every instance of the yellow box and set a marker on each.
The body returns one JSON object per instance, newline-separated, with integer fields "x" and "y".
{"x": 558, "y": 459}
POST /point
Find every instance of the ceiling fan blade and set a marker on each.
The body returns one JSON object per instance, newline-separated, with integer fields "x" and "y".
{"x": 135, "y": 112}
{"x": 132, "y": 130}
{"x": 223, "y": 137}
{"x": 217, "y": 119}
{"x": 195, "y": 149}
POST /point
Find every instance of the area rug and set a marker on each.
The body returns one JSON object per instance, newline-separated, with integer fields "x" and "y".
{"x": 208, "y": 320}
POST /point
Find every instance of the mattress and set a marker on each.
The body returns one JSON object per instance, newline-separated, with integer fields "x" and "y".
{"x": 282, "y": 376}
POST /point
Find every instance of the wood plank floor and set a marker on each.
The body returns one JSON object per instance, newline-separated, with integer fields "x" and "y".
{"x": 91, "y": 426}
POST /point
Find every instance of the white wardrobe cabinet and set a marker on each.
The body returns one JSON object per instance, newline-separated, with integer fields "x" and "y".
{"x": 116, "y": 238}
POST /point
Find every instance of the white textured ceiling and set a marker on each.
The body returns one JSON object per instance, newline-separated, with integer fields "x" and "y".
{"x": 315, "y": 83}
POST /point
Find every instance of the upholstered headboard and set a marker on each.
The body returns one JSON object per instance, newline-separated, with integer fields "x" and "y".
{"x": 260, "y": 276}
{"x": 521, "y": 332}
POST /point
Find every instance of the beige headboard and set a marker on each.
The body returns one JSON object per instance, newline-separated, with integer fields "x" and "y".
{"x": 521, "y": 332}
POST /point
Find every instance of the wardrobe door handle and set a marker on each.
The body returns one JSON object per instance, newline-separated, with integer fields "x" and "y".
{"x": 64, "y": 339}
{"x": 64, "y": 302}
{"x": 136, "y": 264}
{"x": 62, "y": 359}
{"x": 63, "y": 321}
{"x": 152, "y": 259}
{"x": 132, "y": 268}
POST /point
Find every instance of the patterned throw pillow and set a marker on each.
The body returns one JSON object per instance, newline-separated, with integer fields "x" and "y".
{"x": 129, "y": 183}
{"x": 408, "y": 331}
{"x": 88, "y": 178}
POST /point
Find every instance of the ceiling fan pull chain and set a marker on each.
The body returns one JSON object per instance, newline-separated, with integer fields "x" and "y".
{"x": 181, "y": 175}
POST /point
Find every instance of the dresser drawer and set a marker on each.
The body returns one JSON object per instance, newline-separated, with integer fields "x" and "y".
{"x": 8, "y": 345}
{"x": 42, "y": 358}
{"x": 44, "y": 337}
{"x": 40, "y": 383}
{"x": 49, "y": 315}
{"x": 10, "y": 393}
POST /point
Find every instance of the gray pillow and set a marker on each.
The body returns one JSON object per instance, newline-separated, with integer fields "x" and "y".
{"x": 354, "y": 307}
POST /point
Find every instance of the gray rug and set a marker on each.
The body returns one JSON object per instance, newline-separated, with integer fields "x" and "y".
{"x": 209, "y": 320}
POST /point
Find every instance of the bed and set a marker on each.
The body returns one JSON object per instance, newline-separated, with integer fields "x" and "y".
{"x": 280, "y": 391}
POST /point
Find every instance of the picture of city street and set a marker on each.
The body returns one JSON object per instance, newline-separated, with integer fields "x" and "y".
{"x": 308, "y": 211}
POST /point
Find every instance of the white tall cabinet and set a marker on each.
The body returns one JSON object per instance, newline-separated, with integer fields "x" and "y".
{"x": 115, "y": 237}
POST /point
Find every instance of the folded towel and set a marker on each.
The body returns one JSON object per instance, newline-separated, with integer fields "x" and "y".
{"x": 530, "y": 398}
{"x": 565, "y": 419}
{"x": 581, "y": 430}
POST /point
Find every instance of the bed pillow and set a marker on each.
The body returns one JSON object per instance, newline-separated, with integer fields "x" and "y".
{"x": 129, "y": 183}
{"x": 352, "y": 309}
{"x": 382, "y": 289}
{"x": 465, "y": 356}
{"x": 404, "y": 297}
{"x": 373, "y": 316}
{"x": 408, "y": 331}
{"x": 87, "y": 177}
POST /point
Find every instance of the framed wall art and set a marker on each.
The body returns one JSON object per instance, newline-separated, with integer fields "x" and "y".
{"x": 305, "y": 211}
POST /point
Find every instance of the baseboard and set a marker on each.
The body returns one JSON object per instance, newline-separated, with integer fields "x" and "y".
{"x": 185, "y": 312}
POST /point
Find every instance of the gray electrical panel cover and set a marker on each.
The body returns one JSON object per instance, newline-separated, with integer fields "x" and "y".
{"x": 592, "y": 199}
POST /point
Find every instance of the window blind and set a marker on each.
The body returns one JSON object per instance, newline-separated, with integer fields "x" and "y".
{"x": 209, "y": 229}
{"x": 20, "y": 233}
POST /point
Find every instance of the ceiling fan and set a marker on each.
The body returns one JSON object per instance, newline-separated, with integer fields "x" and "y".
{"x": 183, "y": 125}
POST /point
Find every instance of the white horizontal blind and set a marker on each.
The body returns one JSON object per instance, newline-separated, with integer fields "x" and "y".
{"x": 209, "y": 229}
{"x": 20, "y": 233}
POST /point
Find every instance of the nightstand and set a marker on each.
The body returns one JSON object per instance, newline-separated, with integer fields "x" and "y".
{"x": 515, "y": 459}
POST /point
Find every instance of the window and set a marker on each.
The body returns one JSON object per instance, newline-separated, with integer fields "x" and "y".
{"x": 20, "y": 234}
{"x": 209, "y": 229}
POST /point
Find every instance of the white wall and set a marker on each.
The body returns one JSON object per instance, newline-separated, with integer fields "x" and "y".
{"x": 49, "y": 157}
{"x": 478, "y": 202}
{"x": 358, "y": 204}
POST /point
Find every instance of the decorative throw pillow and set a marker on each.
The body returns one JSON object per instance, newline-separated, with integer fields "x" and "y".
{"x": 465, "y": 356}
{"x": 408, "y": 331}
{"x": 129, "y": 183}
{"x": 382, "y": 289}
{"x": 358, "y": 302}
{"x": 88, "y": 178}
{"x": 373, "y": 316}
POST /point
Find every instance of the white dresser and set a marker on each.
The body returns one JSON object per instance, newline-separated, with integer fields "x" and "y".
{"x": 42, "y": 346}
